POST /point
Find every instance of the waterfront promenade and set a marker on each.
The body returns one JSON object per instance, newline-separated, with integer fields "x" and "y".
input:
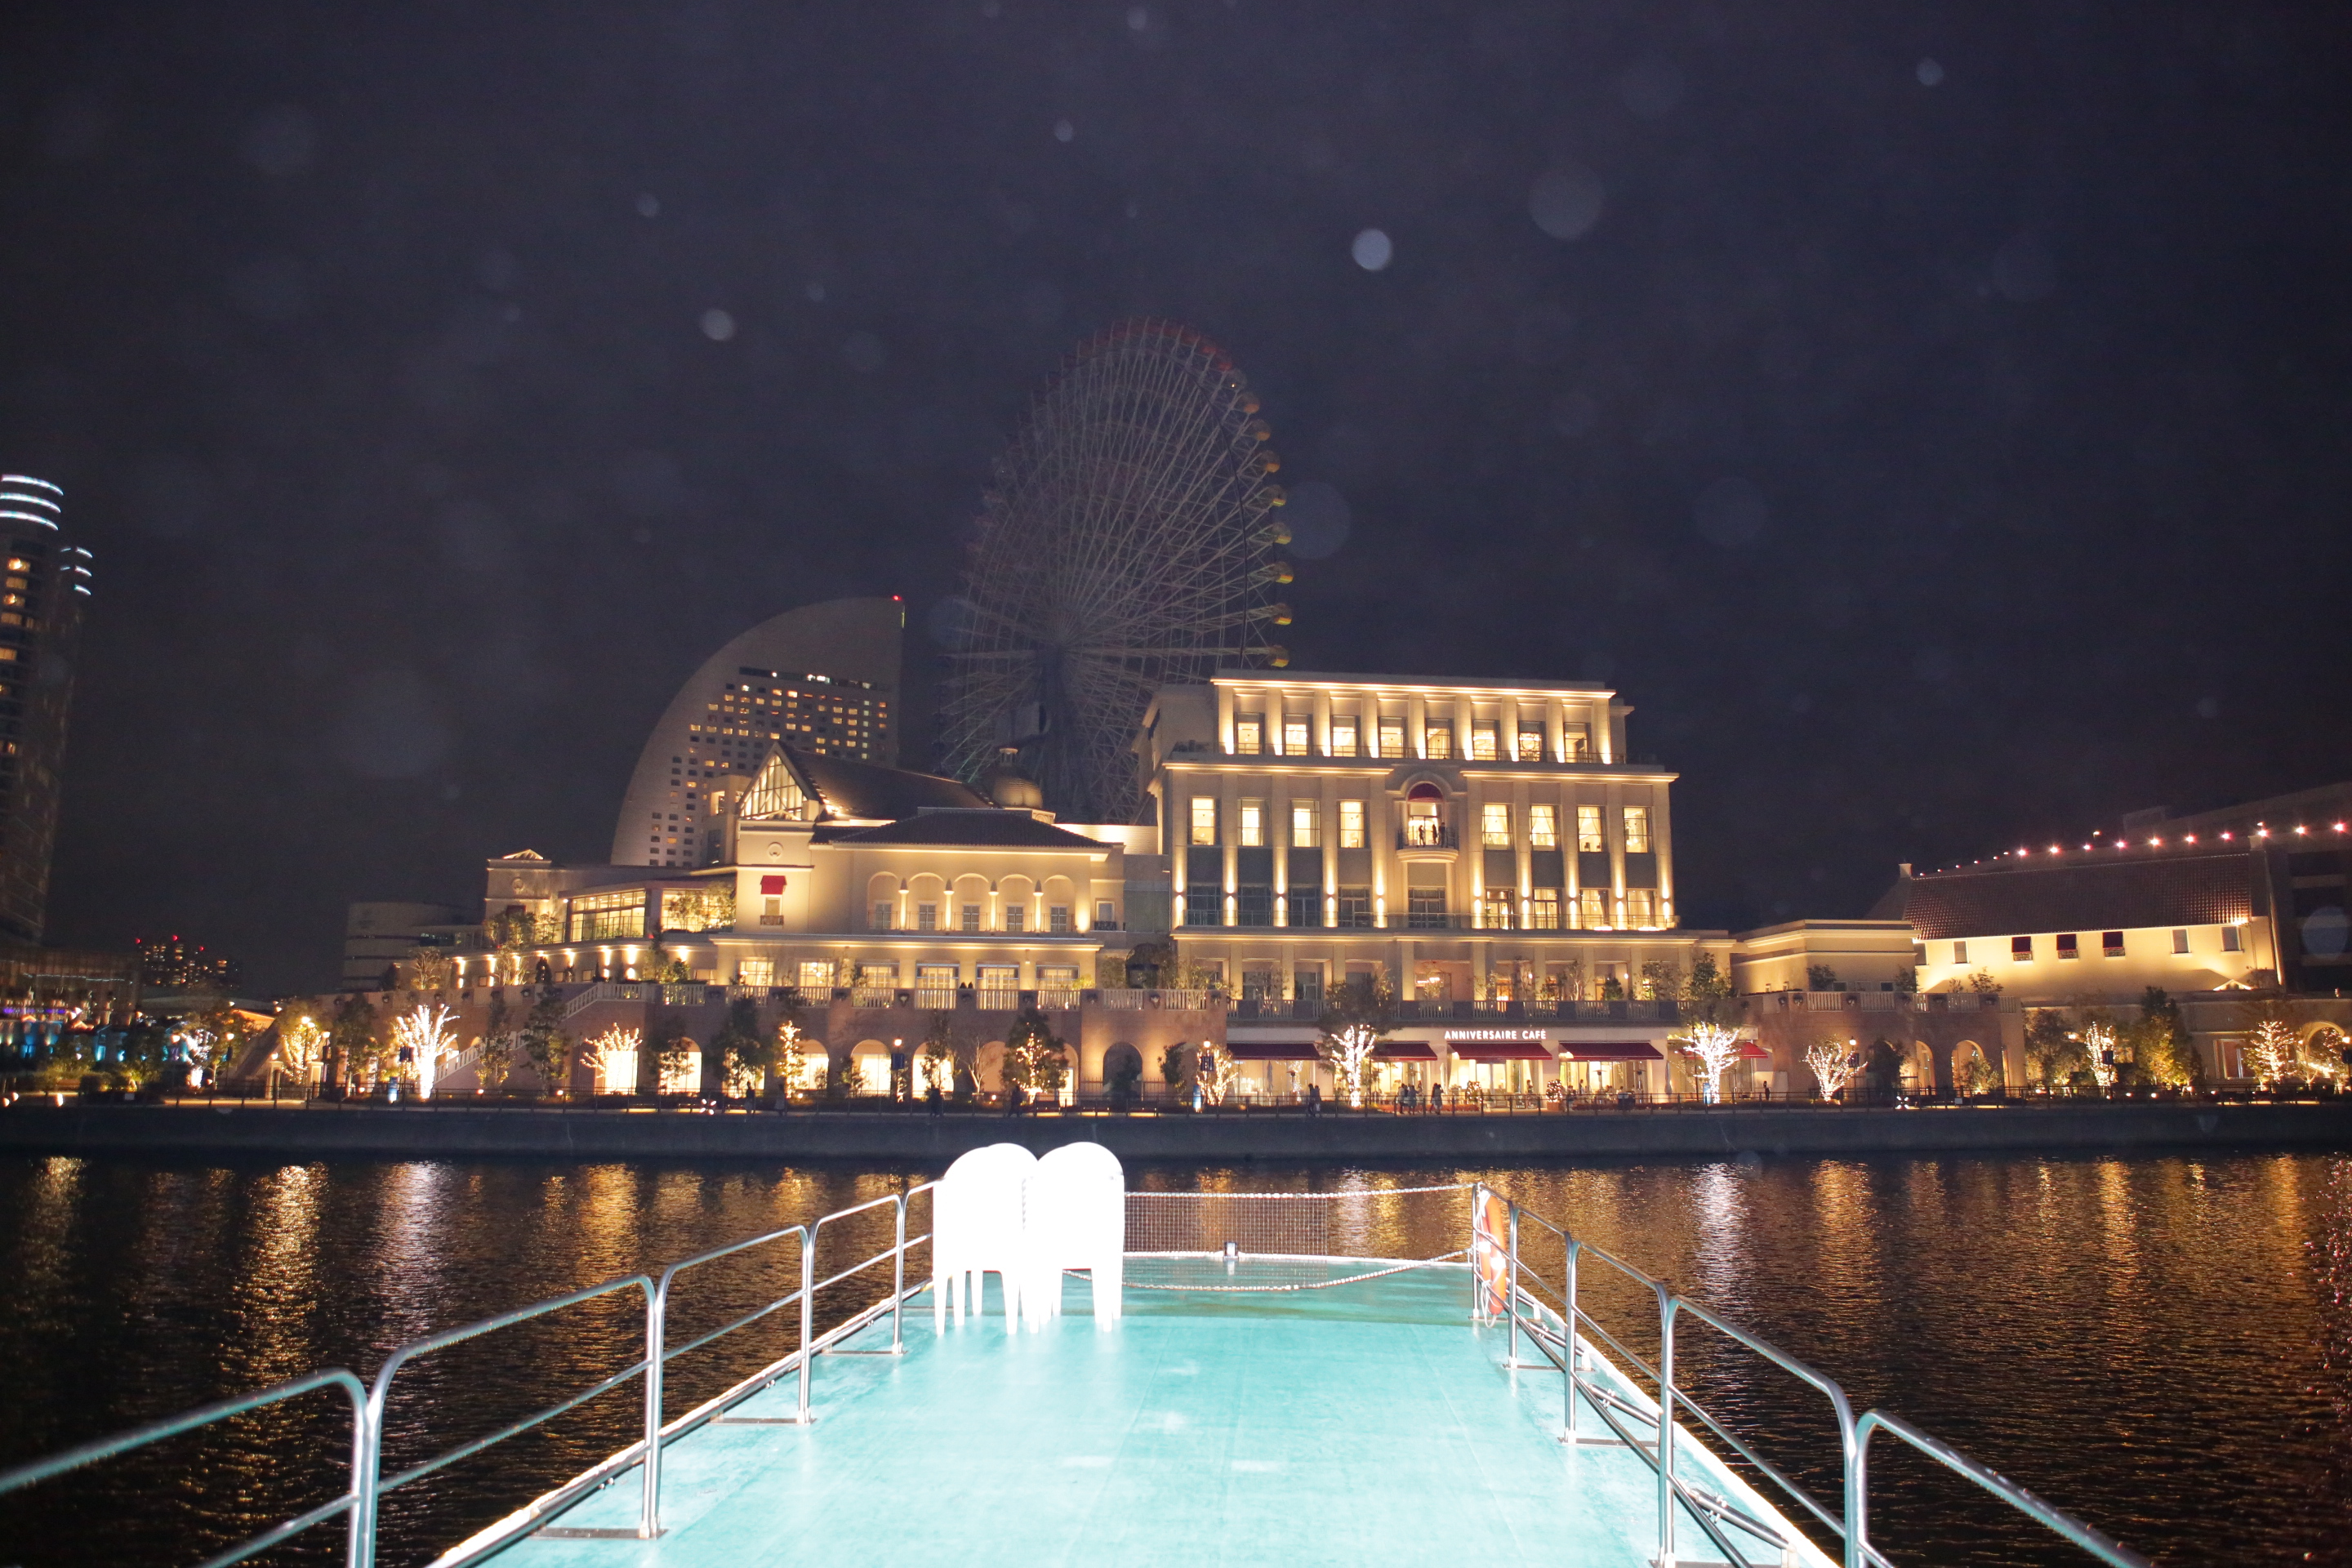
{"x": 376, "y": 1131}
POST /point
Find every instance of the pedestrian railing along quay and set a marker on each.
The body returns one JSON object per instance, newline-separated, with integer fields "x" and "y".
{"x": 1650, "y": 1423}
{"x": 359, "y": 1503}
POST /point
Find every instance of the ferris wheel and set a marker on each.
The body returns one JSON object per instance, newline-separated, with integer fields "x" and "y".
{"x": 1128, "y": 539}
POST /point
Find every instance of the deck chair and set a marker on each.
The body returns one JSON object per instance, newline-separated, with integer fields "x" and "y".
{"x": 1075, "y": 1218}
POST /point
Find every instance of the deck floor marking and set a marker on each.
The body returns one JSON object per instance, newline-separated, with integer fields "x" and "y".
{"x": 1368, "y": 1422}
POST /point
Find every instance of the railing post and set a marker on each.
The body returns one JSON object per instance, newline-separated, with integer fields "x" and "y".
{"x": 367, "y": 1465}
{"x": 656, "y": 1314}
{"x": 1511, "y": 1293}
{"x": 1666, "y": 1430}
{"x": 1857, "y": 1504}
{"x": 899, "y": 1281}
{"x": 359, "y": 1526}
{"x": 1478, "y": 1286}
{"x": 1567, "y": 1359}
{"x": 808, "y": 1316}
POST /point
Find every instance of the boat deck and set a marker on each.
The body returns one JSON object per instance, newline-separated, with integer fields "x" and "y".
{"x": 1371, "y": 1421}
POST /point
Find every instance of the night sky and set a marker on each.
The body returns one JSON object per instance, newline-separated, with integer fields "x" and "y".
{"x": 1933, "y": 418}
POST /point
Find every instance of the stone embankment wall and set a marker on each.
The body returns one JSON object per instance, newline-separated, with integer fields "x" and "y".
{"x": 454, "y": 1132}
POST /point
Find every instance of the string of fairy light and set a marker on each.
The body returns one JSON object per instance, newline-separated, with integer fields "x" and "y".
{"x": 2099, "y": 842}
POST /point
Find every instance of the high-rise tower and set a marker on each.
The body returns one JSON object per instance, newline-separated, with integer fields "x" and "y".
{"x": 41, "y": 598}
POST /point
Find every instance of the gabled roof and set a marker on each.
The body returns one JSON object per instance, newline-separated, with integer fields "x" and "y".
{"x": 778, "y": 791}
{"x": 2090, "y": 895}
{"x": 987, "y": 826}
{"x": 845, "y": 787}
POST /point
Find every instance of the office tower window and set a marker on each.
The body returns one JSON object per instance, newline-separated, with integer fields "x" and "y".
{"x": 1343, "y": 737}
{"x": 1543, "y": 909}
{"x": 1575, "y": 742}
{"x": 1204, "y": 819}
{"x": 1543, "y": 827}
{"x": 1351, "y": 825}
{"x": 1253, "y": 905}
{"x": 1249, "y": 734}
{"x": 1356, "y": 907}
{"x": 1303, "y": 906}
{"x": 1588, "y": 830}
{"x": 1484, "y": 747}
{"x": 1437, "y": 741}
{"x": 1203, "y": 907}
{"x": 1294, "y": 737}
{"x": 1593, "y": 908}
{"x": 926, "y": 917}
{"x": 1057, "y": 919}
{"x": 1306, "y": 825}
{"x": 971, "y": 917}
{"x": 1531, "y": 743}
{"x": 1424, "y": 908}
{"x": 1641, "y": 907}
{"x": 1391, "y": 733}
{"x": 1637, "y": 830}
{"x": 1252, "y": 824}
{"x": 1495, "y": 824}
{"x": 1016, "y": 917}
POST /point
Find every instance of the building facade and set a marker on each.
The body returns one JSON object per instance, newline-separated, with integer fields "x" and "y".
{"x": 823, "y": 678}
{"x": 41, "y": 600}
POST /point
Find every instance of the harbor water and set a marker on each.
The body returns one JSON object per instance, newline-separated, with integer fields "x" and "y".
{"x": 2162, "y": 1345}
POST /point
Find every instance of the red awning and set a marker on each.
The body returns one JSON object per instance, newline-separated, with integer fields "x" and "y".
{"x": 1405, "y": 1051}
{"x": 1272, "y": 1050}
{"x": 1500, "y": 1050}
{"x": 1607, "y": 1051}
{"x": 1750, "y": 1051}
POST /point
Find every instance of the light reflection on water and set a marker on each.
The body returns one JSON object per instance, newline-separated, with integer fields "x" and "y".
{"x": 2163, "y": 1344}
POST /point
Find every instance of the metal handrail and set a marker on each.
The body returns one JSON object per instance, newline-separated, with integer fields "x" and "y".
{"x": 1707, "y": 1508}
{"x": 2098, "y": 1544}
{"x": 368, "y": 1482}
{"x": 91, "y": 1452}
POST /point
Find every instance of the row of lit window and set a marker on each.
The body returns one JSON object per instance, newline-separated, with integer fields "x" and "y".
{"x": 1015, "y": 920}
{"x": 1495, "y": 824}
{"x": 2111, "y": 945}
{"x": 818, "y": 974}
{"x": 1293, "y": 737}
{"x": 1353, "y": 909}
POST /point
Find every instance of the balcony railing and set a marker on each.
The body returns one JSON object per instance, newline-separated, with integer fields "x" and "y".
{"x": 1427, "y": 834}
{"x": 1172, "y": 1001}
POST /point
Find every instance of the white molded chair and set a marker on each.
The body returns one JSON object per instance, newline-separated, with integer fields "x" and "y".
{"x": 976, "y": 1230}
{"x": 1076, "y": 1218}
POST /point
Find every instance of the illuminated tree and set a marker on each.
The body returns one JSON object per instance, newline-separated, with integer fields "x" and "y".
{"x": 1360, "y": 1010}
{"x": 2321, "y": 1055}
{"x": 2098, "y": 1039}
{"x": 494, "y": 1052}
{"x": 1034, "y": 1058}
{"x": 615, "y": 1048}
{"x": 1214, "y": 1071}
{"x": 937, "y": 1063}
{"x": 1712, "y": 1048}
{"x": 301, "y": 1046}
{"x": 350, "y": 1038}
{"x": 801, "y": 1062}
{"x": 2271, "y": 1051}
{"x": 430, "y": 969}
{"x": 425, "y": 1033}
{"x": 1983, "y": 984}
{"x": 1833, "y": 1064}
